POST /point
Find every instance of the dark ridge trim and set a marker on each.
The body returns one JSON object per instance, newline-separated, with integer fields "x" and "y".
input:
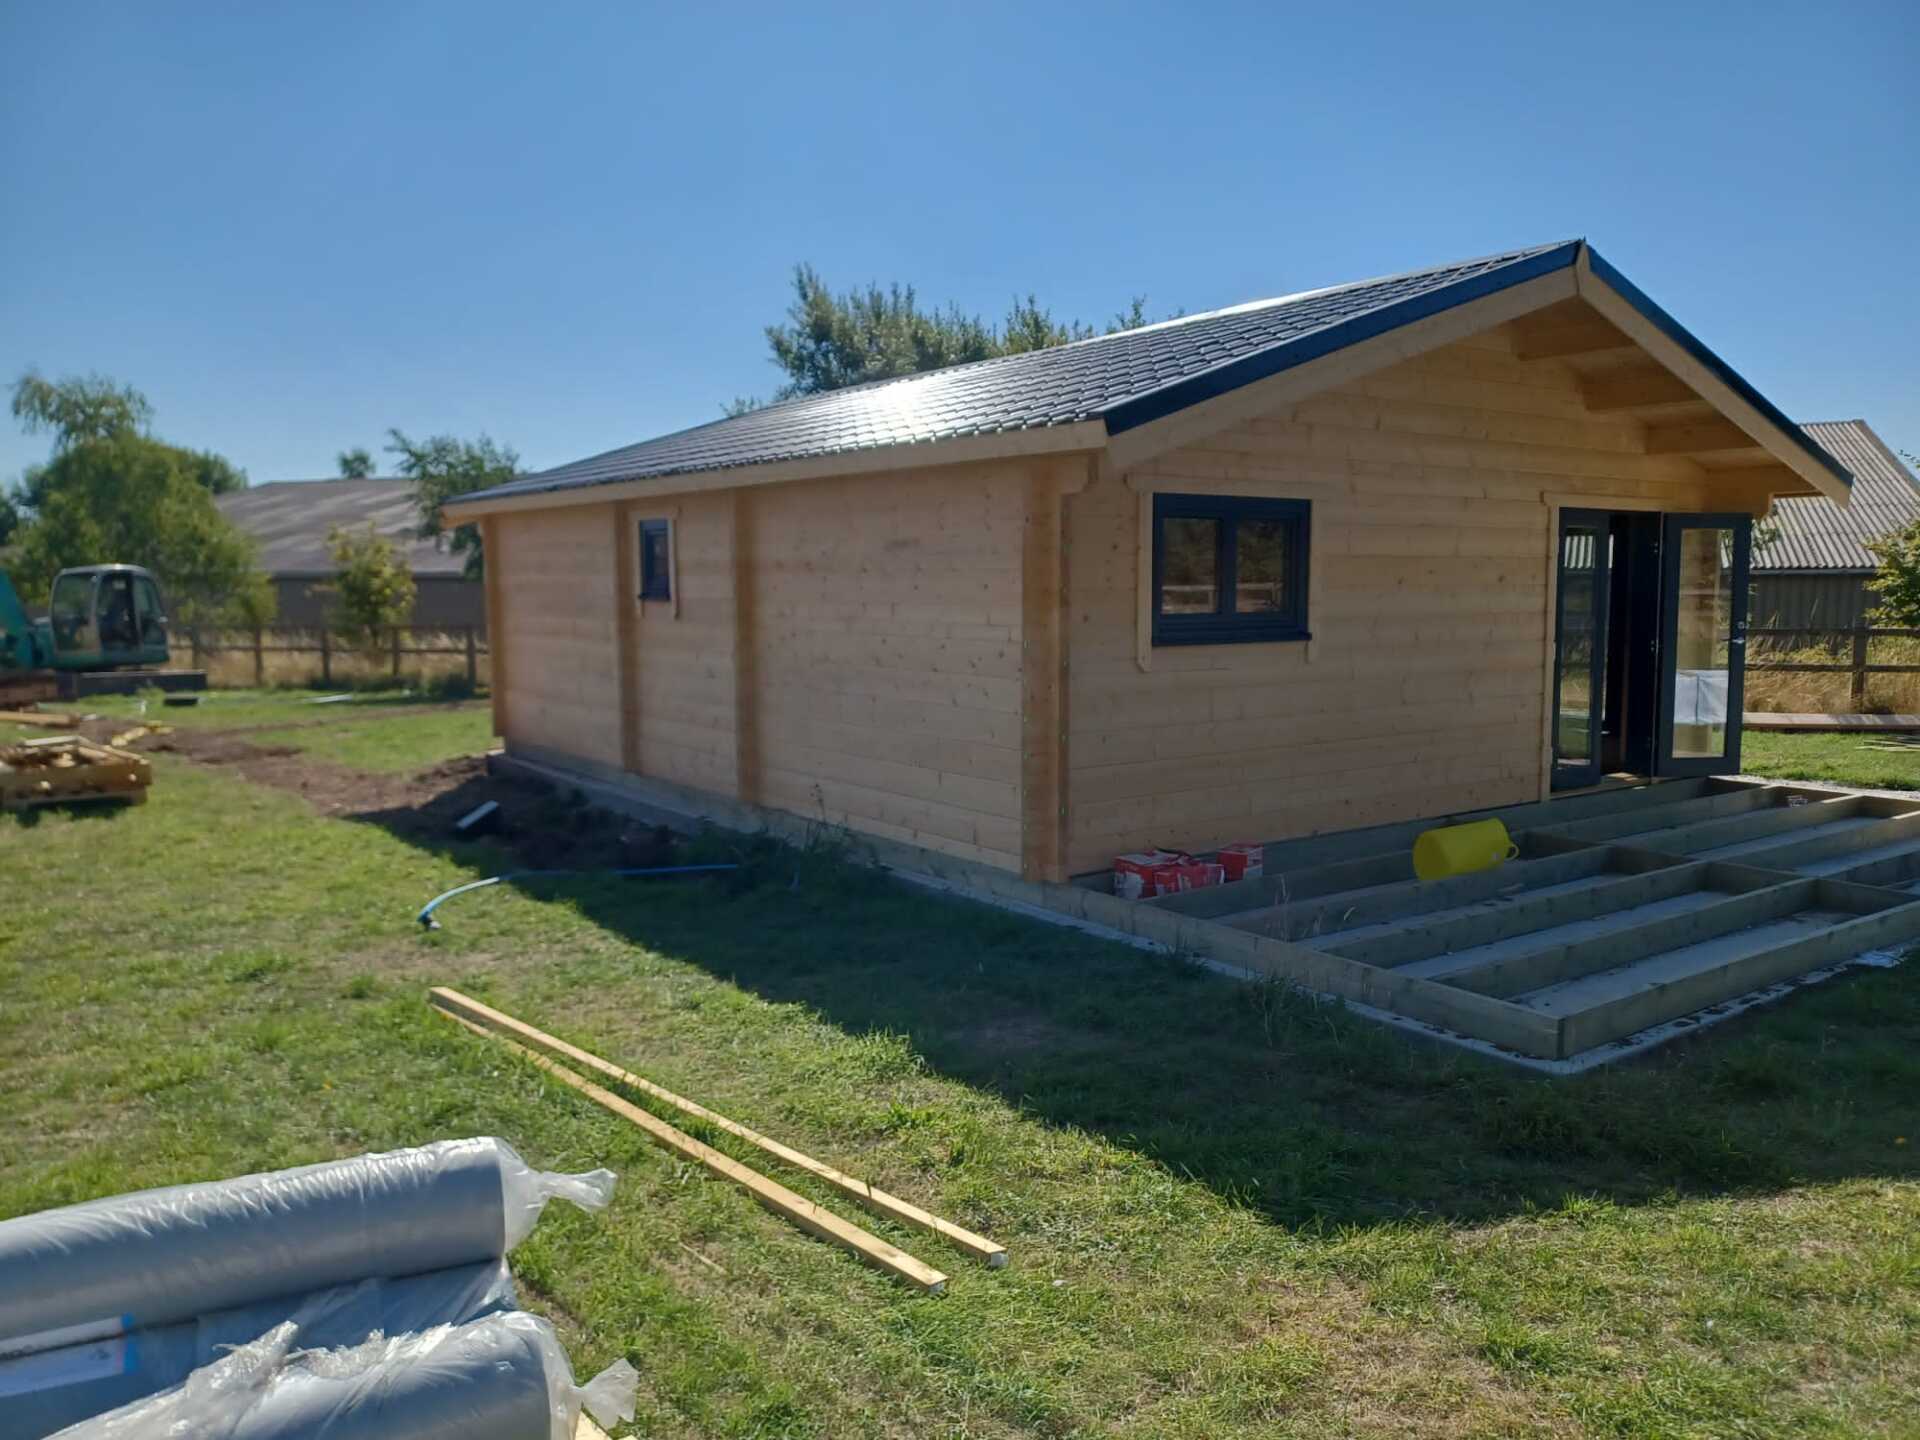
{"x": 1689, "y": 342}
{"x": 1235, "y": 374}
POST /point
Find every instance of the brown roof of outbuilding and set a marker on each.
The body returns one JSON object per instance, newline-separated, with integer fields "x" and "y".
{"x": 291, "y": 520}
{"x": 1813, "y": 533}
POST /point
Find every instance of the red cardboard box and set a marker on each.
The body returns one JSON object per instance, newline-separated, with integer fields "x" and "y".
{"x": 1135, "y": 876}
{"x": 1187, "y": 875}
{"x": 1243, "y": 862}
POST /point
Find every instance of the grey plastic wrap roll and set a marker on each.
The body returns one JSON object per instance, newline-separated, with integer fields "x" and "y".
{"x": 160, "y": 1256}
{"x": 47, "y": 1391}
{"x": 505, "y": 1377}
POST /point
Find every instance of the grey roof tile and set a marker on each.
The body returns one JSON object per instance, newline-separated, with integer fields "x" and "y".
{"x": 1090, "y": 379}
{"x": 1123, "y": 380}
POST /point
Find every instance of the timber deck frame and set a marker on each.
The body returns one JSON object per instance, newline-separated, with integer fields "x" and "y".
{"x": 1629, "y": 908}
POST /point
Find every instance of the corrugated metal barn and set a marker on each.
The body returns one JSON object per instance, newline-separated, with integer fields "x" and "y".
{"x": 1811, "y": 565}
{"x": 291, "y": 519}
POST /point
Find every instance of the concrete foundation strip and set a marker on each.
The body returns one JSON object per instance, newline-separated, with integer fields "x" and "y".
{"x": 815, "y": 1219}
{"x": 868, "y": 1194}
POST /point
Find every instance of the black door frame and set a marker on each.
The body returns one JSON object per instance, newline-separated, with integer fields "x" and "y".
{"x": 1600, "y": 524}
{"x": 1665, "y": 762}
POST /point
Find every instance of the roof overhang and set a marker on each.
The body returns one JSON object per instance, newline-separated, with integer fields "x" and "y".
{"x": 1085, "y": 435}
{"x": 1630, "y": 310}
{"x": 1198, "y": 405}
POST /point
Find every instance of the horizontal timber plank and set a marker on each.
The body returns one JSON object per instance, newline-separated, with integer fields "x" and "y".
{"x": 1518, "y": 975}
{"x": 1739, "y": 975}
{"x": 1312, "y": 920}
{"x": 1523, "y": 915}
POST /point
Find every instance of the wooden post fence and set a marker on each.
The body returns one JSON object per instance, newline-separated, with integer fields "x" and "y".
{"x": 460, "y": 646}
{"x": 1854, "y": 643}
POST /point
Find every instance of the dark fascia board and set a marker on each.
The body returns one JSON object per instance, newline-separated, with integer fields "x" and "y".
{"x": 1732, "y": 378}
{"x": 1158, "y": 404}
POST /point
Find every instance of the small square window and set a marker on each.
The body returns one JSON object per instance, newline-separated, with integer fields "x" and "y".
{"x": 656, "y": 581}
{"x": 1229, "y": 569}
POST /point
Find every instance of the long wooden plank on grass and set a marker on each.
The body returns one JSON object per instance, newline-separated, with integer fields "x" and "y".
{"x": 874, "y": 1198}
{"x": 814, "y": 1219}
{"x": 49, "y": 719}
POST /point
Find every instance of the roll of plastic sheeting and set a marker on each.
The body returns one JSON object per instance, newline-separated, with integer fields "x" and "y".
{"x": 137, "y": 1261}
{"x": 45, "y": 1392}
{"x": 504, "y": 1377}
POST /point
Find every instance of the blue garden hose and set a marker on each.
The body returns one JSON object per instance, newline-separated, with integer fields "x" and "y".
{"x": 425, "y": 917}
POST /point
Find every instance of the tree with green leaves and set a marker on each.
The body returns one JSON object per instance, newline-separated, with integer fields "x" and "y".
{"x": 1897, "y": 581}
{"x": 831, "y": 341}
{"x": 79, "y": 408}
{"x": 356, "y": 464}
{"x": 372, "y": 587}
{"x": 113, "y": 493}
{"x": 443, "y": 468}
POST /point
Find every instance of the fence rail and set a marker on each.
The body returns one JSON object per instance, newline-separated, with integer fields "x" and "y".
{"x": 468, "y": 642}
{"x": 1852, "y": 643}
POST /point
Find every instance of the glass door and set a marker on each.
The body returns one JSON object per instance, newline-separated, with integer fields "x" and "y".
{"x": 1703, "y": 635}
{"x": 1580, "y": 646}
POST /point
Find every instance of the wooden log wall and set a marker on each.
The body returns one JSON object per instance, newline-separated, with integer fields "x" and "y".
{"x": 1424, "y": 686}
{"x": 552, "y": 588}
{"x": 886, "y": 654}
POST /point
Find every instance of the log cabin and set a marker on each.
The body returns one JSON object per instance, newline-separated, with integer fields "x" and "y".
{"x": 1466, "y": 537}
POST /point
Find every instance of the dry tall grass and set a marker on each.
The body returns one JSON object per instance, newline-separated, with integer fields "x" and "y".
{"x": 1829, "y": 692}
{"x": 292, "y": 658}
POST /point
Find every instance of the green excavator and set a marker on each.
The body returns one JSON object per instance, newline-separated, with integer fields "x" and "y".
{"x": 106, "y": 630}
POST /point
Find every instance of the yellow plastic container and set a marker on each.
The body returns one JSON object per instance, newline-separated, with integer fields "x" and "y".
{"x": 1462, "y": 849}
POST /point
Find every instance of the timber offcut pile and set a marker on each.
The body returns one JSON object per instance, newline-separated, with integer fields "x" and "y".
{"x": 66, "y": 770}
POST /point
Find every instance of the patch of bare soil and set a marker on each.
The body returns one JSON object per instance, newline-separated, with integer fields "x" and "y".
{"x": 544, "y": 827}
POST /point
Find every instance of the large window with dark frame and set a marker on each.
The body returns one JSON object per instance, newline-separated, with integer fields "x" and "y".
{"x": 1229, "y": 569}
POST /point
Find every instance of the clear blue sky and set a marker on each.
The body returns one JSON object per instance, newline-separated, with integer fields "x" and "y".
{"x": 567, "y": 225}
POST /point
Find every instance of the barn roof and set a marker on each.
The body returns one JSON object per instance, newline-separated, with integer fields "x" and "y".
{"x": 291, "y": 518}
{"x": 1813, "y": 533}
{"x": 1120, "y": 381}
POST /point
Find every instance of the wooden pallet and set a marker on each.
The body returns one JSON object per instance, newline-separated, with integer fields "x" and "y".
{"x": 69, "y": 770}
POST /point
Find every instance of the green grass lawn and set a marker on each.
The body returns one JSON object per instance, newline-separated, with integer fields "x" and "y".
{"x": 1863, "y": 760}
{"x": 1230, "y": 1212}
{"x": 365, "y": 739}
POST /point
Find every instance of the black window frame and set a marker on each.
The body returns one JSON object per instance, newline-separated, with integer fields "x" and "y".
{"x": 656, "y": 582}
{"x": 1226, "y": 626}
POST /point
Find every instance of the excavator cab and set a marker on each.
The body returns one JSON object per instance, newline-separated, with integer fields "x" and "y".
{"x": 107, "y": 616}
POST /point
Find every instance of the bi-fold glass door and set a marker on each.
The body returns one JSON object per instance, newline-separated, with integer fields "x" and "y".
{"x": 1703, "y": 640}
{"x": 1580, "y": 646}
{"x": 1650, "y": 618}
